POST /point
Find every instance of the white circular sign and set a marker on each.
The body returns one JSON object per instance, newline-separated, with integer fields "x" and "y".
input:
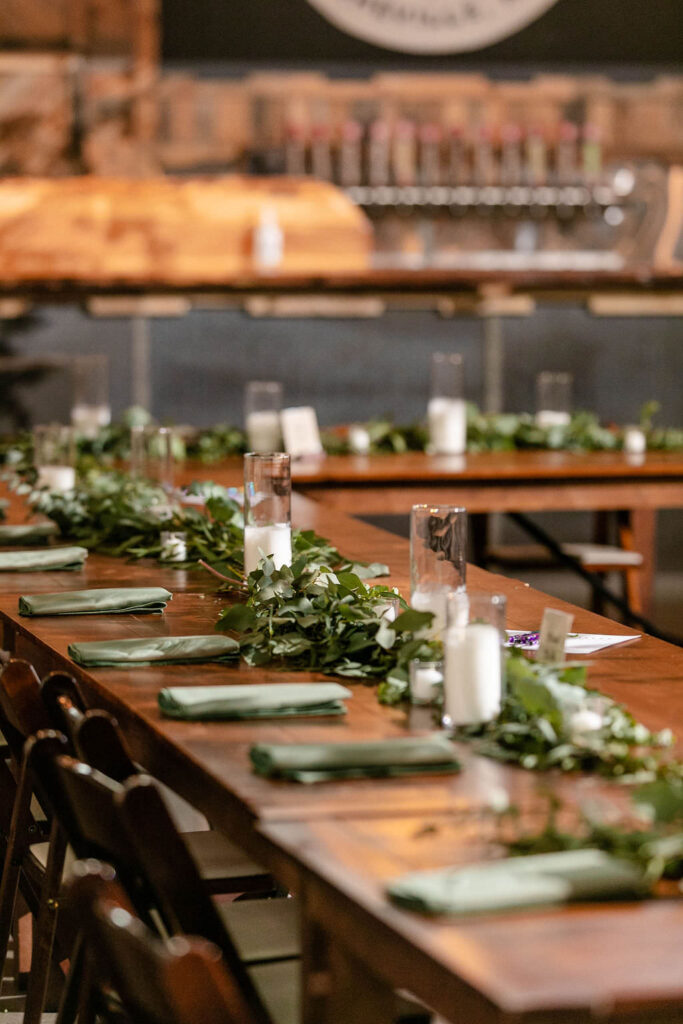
{"x": 431, "y": 26}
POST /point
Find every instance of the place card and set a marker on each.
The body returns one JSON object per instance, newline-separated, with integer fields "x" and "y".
{"x": 300, "y": 431}
{"x": 576, "y": 643}
{"x": 553, "y": 635}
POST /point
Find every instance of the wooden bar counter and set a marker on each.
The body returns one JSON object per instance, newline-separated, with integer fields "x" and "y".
{"x": 338, "y": 843}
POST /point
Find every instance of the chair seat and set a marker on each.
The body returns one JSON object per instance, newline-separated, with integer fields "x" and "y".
{"x": 593, "y": 555}
{"x": 224, "y": 866}
{"x": 279, "y": 986}
{"x": 263, "y": 930}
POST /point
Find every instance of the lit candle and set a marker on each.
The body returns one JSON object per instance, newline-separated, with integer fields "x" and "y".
{"x": 425, "y": 676}
{"x": 261, "y": 541}
{"x": 473, "y": 677}
{"x": 359, "y": 439}
{"x": 57, "y": 478}
{"x": 546, "y": 418}
{"x": 173, "y": 546}
{"x": 88, "y": 420}
{"x": 432, "y": 600}
{"x": 635, "y": 442}
{"x": 263, "y": 431}
{"x": 447, "y": 420}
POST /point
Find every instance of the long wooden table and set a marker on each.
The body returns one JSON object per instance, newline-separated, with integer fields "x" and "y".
{"x": 338, "y": 843}
{"x": 519, "y": 481}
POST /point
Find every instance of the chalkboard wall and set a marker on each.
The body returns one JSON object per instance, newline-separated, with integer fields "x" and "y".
{"x": 633, "y": 36}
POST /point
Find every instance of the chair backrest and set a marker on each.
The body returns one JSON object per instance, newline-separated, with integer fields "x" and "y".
{"x": 64, "y": 701}
{"x": 129, "y": 827}
{"x": 99, "y": 743}
{"x": 22, "y": 712}
{"x": 180, "y": 981}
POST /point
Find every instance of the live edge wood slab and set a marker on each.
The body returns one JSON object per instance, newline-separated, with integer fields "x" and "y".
{"x": 337, "y": 844}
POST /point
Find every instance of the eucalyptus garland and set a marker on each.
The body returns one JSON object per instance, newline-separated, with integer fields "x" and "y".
{"x": 306, "y": 617}
{"x": 120, "y": 515}
{"x": 651, "y": 835}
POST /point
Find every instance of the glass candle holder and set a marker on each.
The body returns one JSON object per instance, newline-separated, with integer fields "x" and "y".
{"x": 173, "y": 546}
{"x": 267, "y": 509}
{"x": 90, "y": 410}
{"x": 54, "y": 456}
{"x": 446, "y": 414}
{"x": 262, "y": 405}
{"x": 151, "y": 455}
{"x": 438, "y": 544}
{"x": 473, "y": 658}
{"x": 553, "y": 399}
{"x": 426, "y": 678}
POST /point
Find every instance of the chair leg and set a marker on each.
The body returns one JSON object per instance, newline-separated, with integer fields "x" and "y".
{"x": 17, "y": 847}
{"x": 45, "y": 926}
{"x": 597, "y": 603}
{"x": 71, "y": 993}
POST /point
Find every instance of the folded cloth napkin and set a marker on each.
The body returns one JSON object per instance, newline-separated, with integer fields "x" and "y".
{"x": 316, "y": 762}
{"x": 519, "y": 882}
{"x": 166, "y": 650}
{"x": 96, "y": 602}
{"x": 255, "y": 700}
{"x": 42, "y": 560}
{"x": 27, "y": 533}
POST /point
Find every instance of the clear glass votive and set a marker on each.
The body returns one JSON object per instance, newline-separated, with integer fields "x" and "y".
{"x": 267, "y": 509}
{"x": 262, "y": 405}
{"x": 90, "y": 410}
{"x": 389, "y": 609}
{"x": 54, "y": 456}
{"x": 151, "y": 455}
{"x": 473, "y": 658}
{"x": 438, "y": 546}
{"x": 173, "y": 546}
{"x": 446, "y": 413}
{"x": 426, "y": 678}
{"x": 553, "y": 399}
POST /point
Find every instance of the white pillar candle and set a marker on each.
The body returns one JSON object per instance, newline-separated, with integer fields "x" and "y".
{"x": 546, "y": 418}
{"x": 635, "y": 442}
{"x": 263, "y": 431}
{"x": 447, "y": 419}
{"x": 261, "y": 541}
{"x": 57, "y": 478}
{"x": 88, "y": 420}
{"x": 473, "y": 676}
{"x": 432, "y": 600}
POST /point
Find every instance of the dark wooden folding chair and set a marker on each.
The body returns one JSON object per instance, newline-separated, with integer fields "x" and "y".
{"x": 99, "y": 816}
{"x": 34, "y": 846}
{"x": 97, "y": 740}
{"x": 179, "y": 981}
{"x": 129, "y": 826}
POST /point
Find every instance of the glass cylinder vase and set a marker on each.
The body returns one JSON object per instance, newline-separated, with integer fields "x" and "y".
{"x": 262, "y": 405}
{"x": 446, "y": 413}
{"x": 54, "y": 456}
{"x": 267, "y": 509}
{"x": 438, "y": 548}
{"x": 90, "y": 409}
{"x": 553, "y": 399}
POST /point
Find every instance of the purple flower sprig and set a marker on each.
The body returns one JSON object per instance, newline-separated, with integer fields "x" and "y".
{"x": 528, "y": 639}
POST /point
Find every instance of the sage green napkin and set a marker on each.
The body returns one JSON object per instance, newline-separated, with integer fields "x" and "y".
{"x": 27, "y": 533}
{"x": 43, "y": 560}
{"x": 519, "y": 882}
{"x": 316, "y": 762}
{"x": 96, "y": 602}
{"x": 165, "y": 650}
{"x": 255, "y": 700}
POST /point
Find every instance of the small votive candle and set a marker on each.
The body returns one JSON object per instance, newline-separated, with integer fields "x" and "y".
{"x": 173, "y": 546}
{"x": 359, "y": 439}
{"x": 425, "y": 678}
{"x": 635, "y": 442}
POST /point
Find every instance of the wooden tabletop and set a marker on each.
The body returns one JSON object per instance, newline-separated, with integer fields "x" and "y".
{"x": 339, "y": 842}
